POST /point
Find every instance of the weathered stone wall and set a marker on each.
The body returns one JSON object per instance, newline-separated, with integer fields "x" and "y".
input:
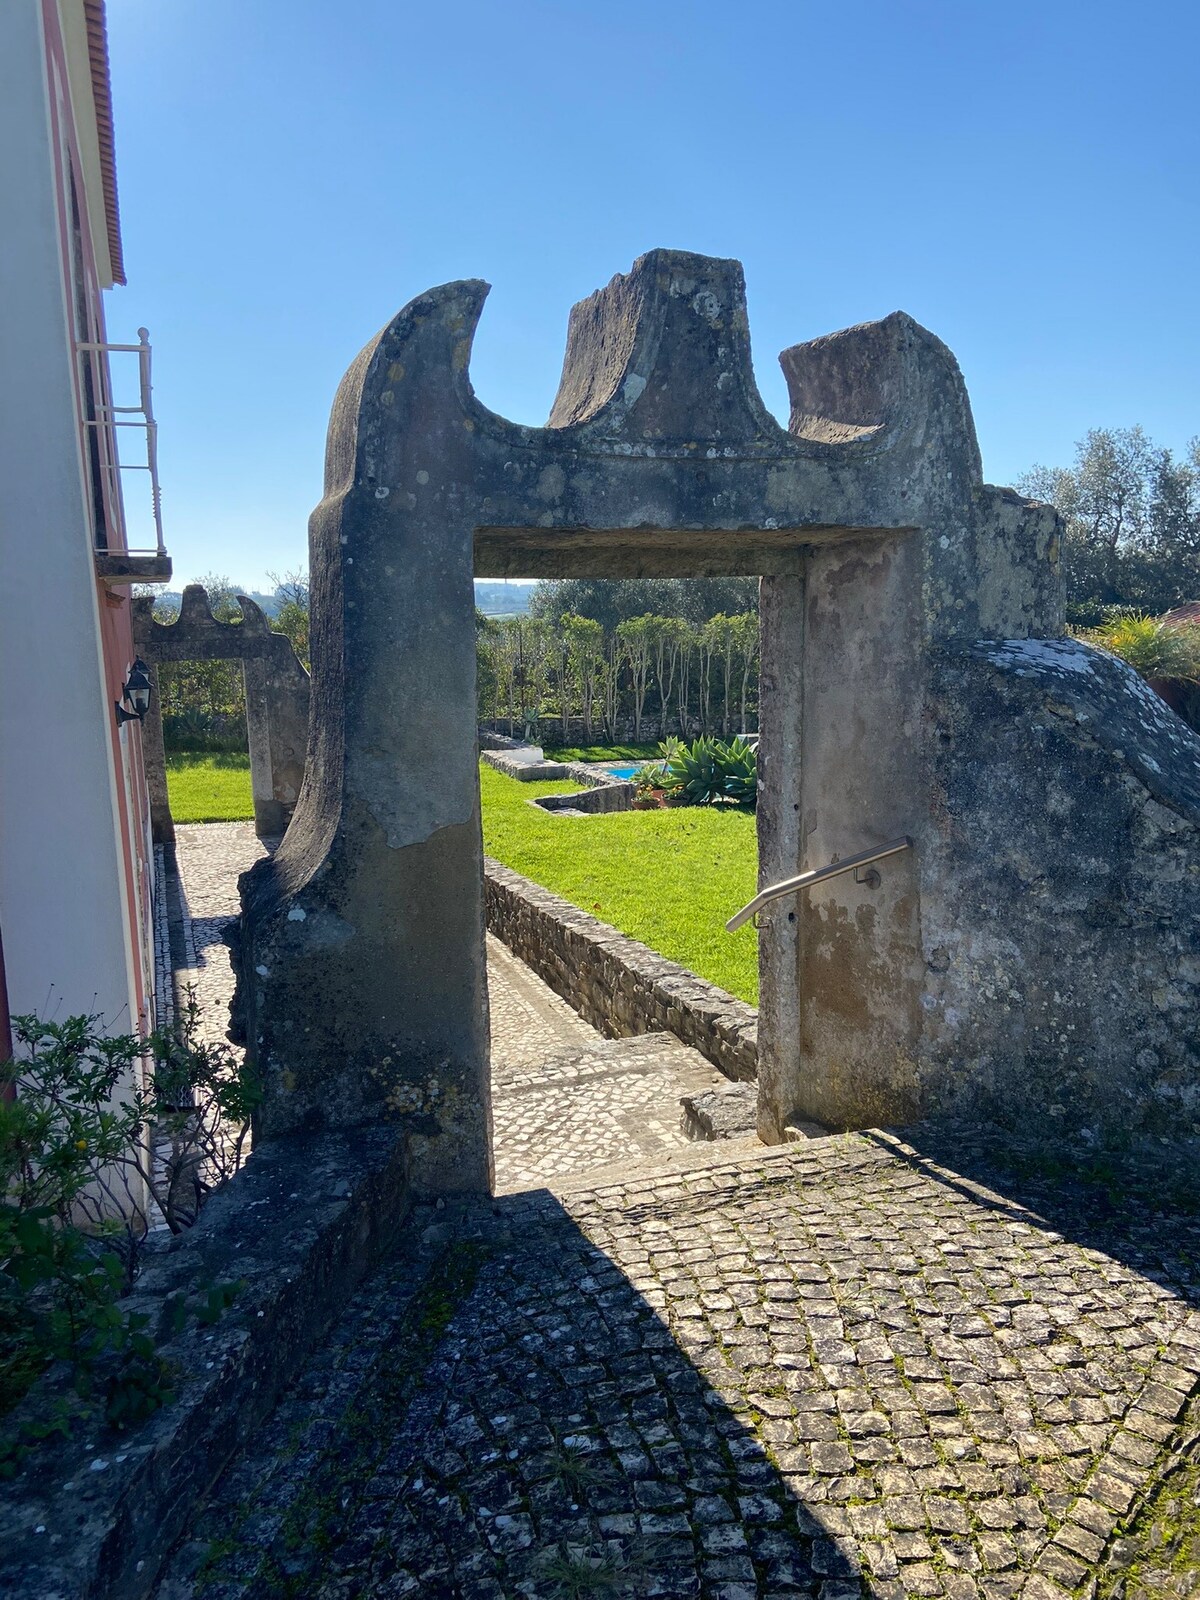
{"x": 615, "y": 983}
{"x": 1060, "y": 918}
{"x": 595, "y": 799}
{"x": 96, "y": 1513}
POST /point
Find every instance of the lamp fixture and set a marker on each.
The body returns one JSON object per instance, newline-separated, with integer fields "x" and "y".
{"x": 135, "y": 690}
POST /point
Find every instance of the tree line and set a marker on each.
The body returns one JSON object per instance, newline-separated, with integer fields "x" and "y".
{"x": 653, "y": 674}
{"x": 1131, "y": 510}
{"x": 671, "y": 654}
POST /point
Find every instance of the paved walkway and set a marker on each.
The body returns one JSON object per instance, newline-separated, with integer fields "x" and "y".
{"x": 764, "y": 1378}
{"x": 852, "y": 1365}
{"x": 565, "y": 1101}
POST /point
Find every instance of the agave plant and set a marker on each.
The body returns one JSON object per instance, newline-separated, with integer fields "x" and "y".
{"x": 713, "y": 772}
{"x": 741, "y": 771}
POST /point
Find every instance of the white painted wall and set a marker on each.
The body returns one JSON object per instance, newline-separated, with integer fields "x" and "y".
{"x": 67, "y": 945}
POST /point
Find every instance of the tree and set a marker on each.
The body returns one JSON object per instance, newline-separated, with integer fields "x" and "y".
{"x": 585, "y": 652}
{"x": 610, "y": 601}
{"x": 636, "y": 637}
{"x": 1132, "y": 522}
{"x": 744, "y": 629}
{"x": 291, "y": 619}
{"x": 685, "y": 641}
{"x": 292, "y": 588}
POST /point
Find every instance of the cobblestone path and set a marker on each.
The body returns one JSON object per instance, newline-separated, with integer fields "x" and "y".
{"x": 836, "y": 1367}
{"x": 845, "y": 1367}
{"x": 564, "y": 1100}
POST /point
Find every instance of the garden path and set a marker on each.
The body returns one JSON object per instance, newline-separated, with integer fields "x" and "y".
{"x": 565, "y": 1100}
{"x": 853, "y": 1365}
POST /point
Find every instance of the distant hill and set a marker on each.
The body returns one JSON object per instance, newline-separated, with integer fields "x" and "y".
{"x": 169, "y": 600}
{"x": 503, "y": 599}
{"x": 497, "y": 599}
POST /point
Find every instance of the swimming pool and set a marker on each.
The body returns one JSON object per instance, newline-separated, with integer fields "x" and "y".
{"x": 627, "y": 772}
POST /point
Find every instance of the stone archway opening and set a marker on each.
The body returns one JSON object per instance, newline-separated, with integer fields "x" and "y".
{"x": 276, "y": 697}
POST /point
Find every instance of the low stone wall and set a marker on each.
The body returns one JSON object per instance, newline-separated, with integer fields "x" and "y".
{"x": 596, "y": 800}
{"x": 615, "y": 983}
{"x": 93, "y": 1516}
{"x": 509, "y": 763}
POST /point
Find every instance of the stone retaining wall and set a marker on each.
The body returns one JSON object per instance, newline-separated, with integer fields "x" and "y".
{"x": 615, "y": 983}
{"x": 92, "y": 1516}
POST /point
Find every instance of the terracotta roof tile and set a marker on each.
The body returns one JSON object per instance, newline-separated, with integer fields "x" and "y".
{"x": 97, "y": 31}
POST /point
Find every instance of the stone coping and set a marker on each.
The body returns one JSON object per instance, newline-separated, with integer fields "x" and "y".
{"x": 299, "y": 1226}
{"x": 618, "y": 985}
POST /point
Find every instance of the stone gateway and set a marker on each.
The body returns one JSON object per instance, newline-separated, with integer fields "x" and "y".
{"x": 1038, "y": 945}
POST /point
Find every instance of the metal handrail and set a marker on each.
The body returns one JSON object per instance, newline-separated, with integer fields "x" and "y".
{"x": 805, "y": 880}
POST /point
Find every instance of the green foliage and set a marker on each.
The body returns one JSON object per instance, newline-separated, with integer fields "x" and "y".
{"x": 648, "y": 667}
{"x": 292, "y": 619}
{"x": 1151, "y": 647}
{"x": 1132, "y": 522}
{"x": 667, "y": 877}
{"x": 611, "y": 601}
{"x": 711, "y": 772}
{"x": 76, "y": 1167}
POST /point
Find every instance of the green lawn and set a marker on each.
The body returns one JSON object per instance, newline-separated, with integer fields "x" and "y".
{"x": 600, "y": 752}
{"x": 668, "y": 878}
{"x": 209, "y": 788}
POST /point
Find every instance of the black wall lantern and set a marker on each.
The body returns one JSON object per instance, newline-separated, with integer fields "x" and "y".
{"x": 136, "y": 691}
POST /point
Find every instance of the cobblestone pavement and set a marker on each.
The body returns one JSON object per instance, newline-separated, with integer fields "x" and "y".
{"x": 209, "y": 856}
{"x": 808, "y": 1372}
{"x": 564, "y": 1100}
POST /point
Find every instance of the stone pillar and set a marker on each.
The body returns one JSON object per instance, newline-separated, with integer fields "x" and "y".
{"x": 154, "y": 758}
{"x": 780, "y": 846}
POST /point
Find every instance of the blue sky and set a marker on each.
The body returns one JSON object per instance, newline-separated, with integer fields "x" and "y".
{"x": 1021, "y": 177}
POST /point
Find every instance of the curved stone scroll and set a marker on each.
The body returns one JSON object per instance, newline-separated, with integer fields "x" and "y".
{"x": 362, "y": 989}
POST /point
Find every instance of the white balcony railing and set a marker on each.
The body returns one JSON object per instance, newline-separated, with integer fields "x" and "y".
{"x": 101, "y": 419}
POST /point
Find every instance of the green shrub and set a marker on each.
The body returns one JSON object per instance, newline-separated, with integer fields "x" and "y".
{"x": 712, "y": 772}
{"x": 1151, "y": 647}
{"x": 103, "y": 1131}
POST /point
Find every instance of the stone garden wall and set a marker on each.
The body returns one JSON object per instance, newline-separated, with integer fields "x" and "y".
{"x": 615, "y": 983}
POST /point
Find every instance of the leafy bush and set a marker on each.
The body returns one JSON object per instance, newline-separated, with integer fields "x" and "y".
{"x": 1153, "y": 648}
{"x": 712, "y": 772}
{"x": 103, "y": 1136}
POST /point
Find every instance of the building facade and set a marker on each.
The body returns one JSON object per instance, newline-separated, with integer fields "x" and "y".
{"x": 76, "y": 861}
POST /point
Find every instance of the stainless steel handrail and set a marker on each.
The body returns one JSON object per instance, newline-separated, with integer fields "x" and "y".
{"x": 805, "y": 880}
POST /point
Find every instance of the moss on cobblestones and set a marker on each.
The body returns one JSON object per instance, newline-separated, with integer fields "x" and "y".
{"x": 322, "y": 1518}
{"x": 759, "y": 1377}
{"x": 1156, "y": 1551}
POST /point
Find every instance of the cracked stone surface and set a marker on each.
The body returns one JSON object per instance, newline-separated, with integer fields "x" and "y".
{"x": 834, "y": 1368}
{"x": 564, "y": 1099}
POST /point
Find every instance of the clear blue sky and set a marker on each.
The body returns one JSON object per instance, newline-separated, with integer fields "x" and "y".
{"x": 1020, "y": 175}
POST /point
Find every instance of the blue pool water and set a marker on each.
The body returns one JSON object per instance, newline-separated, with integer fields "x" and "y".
{"x": 626, "y": 772}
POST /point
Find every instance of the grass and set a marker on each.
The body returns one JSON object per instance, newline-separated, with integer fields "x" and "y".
{"x": 600, "y": 752}
{"x": 209, "y": 787}
{"x": 668, "y": 878}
